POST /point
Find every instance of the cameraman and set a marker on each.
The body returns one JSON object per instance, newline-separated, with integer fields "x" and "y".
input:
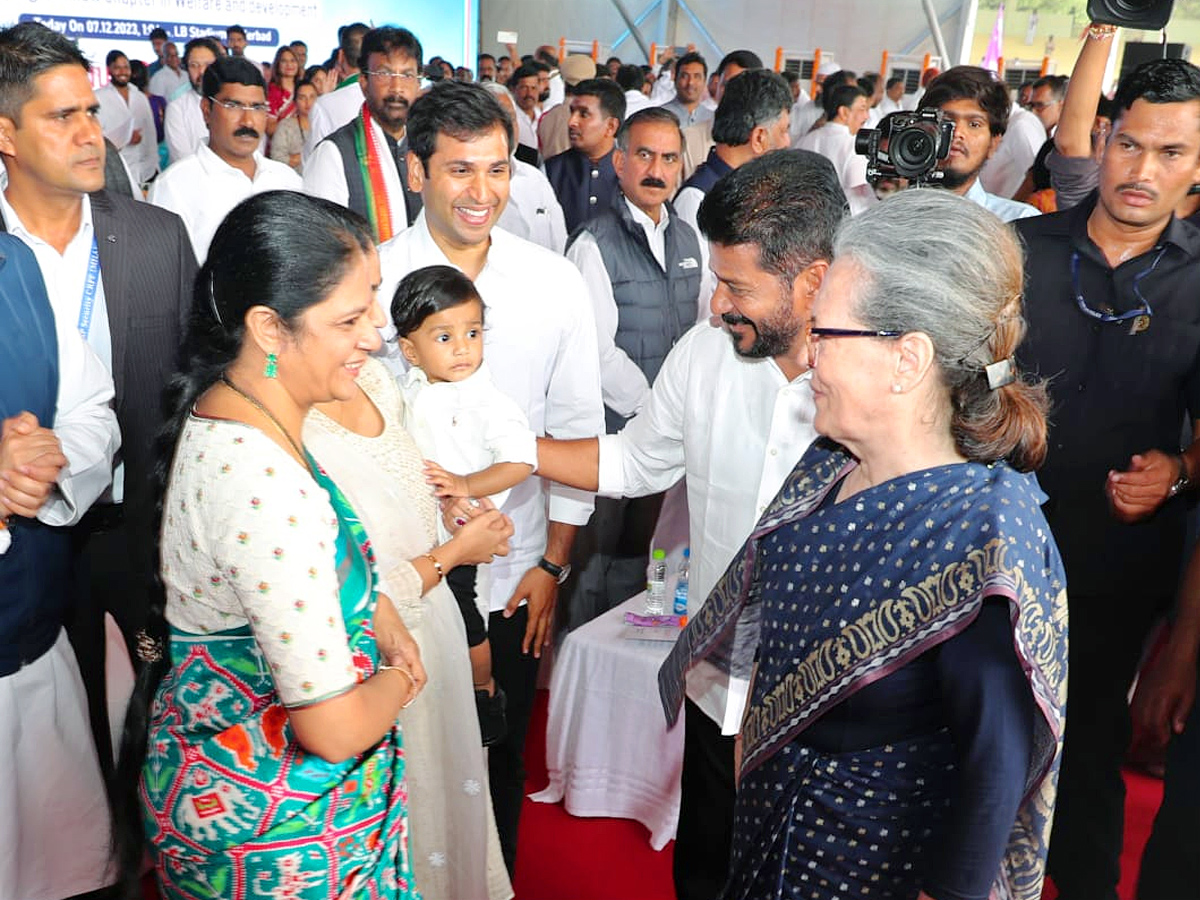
{"x": 978, "y": 106}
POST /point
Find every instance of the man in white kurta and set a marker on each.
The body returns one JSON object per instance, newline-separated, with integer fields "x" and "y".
{"x": 835, "y": 141}
{"x": 127, "y": 119}
{"x": 339, "y": 106}
{"x": 171, "y": 76}
{"x": 1006, "y": 169}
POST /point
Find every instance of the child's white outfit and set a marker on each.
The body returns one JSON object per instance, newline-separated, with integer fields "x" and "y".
{"x": 466, "y": 426}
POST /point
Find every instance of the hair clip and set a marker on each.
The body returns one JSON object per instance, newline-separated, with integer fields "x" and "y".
{"x": 149, "y": 649}
{"x": 212, "y": 298}
{"x": 1000, "y": 373}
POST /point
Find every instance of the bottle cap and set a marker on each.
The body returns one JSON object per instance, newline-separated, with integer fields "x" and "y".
{"x": 660, "y": 554}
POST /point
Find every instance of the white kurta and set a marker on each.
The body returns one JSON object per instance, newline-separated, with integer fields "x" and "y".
{"x": 1003, "y": 173}
{"x": 122, "y": 118}
{"x": 184, "y": 128}
{"x": 329, "y": 113}
{"x": 202, "y": 188}
{"x": 166, "y": 81}
{"x": 835, "y": 142}
{"x": 735, "y": 427}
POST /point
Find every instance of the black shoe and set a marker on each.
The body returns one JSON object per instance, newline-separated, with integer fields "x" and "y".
{"x": 493, "y": 724}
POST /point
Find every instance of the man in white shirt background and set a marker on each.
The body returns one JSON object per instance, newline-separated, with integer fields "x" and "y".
{"x": 127, "y": 119}
{"x": 183, "y": 125}
{"x": 202, "y": 188}
{"x": 978, "y": 106}
{"x": 846, "y": 108}
{"x": 691, "y": 73}
{"x": 631, "y": 79}
{"x": 172, "y": 76}
{"x": 532, "y": 211}
{"x": 1023, "y": 139}
{"x": 731, "y": 409}
{"x": 339, "y": 106}
{"x": 893, "y": 94}
{"x": 641, "y": 263}
{"x": 525, "y": 87}
{"x": 540, "y": 345}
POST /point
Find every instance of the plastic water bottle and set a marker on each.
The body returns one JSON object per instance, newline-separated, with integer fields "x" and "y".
{"x": 681, "y": 585}
{"x": 656, "y": 590}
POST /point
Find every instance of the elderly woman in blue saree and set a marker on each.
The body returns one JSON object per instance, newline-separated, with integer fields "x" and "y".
{"x": 262, "y": 756}
{"x": 900, "y": 606}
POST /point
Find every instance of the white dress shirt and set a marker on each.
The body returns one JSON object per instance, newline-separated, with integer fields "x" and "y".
{"x": 887, "y": 106}
{"x": 622, "y": 383}
{"x": 184, "y": 128}
{"x": 736, "y": 427}
{"x": 1004, "y": 172}
{"x": 687, "y": 207}
{"x": 120, "y": 118}
{"x": 834, "y": 141}
{"x": 533, "y": 211}
{"x": 1006, "y": 210}
{"x": 166, "y": 81}
{"x": 540, "y": 344}
{"x": 65, "y": 275}
{"x": 635, "y": 101}
{"x": 700, "y": 114}
{"x": 527, "y": 127}
{"x": 329, "y": 113}
{"x": 325, "y": 175}
{"x": 203, "y": 188}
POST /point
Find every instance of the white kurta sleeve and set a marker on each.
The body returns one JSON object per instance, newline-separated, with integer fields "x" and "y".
{"x": 573, "y": 405}
{"x": 324, "y": 175}
{"x": 86, "y": 428}
{"x": 648, "y": 456}
{"x": 622, "y": 384}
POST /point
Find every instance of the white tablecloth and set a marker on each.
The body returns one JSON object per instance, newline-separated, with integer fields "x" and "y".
{"x": 608, "y": 751}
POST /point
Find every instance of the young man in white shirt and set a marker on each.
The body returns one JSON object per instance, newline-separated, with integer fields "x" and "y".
{"x": 540, "y": 345}
{"x": 731, "y": 409}
{"x": 691, "y": 72}
{"x": 846, "y": 110}
{"x": 205, "y": 186}
{"x": 127, "y": 119}
{"x": 978, "y": 106}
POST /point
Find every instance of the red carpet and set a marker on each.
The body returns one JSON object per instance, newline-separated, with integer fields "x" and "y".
{"x": 565, "y": 858}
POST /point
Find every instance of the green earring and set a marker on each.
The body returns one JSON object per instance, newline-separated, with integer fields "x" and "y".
{"x": 272, "y": 367}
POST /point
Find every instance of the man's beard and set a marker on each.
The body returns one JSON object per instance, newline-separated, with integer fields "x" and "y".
{"x": 771, "y": 337}
{"x": 952, "y": 181}
{"x": 388, "y": 119}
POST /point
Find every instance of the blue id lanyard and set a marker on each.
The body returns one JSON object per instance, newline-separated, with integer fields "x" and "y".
{"x": 87, "y": 304}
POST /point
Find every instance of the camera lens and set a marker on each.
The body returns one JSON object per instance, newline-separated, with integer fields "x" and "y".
{"x": 912, "y": 149}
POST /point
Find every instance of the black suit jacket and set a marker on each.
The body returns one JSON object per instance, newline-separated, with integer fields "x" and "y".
{"x": 148, "y": 270}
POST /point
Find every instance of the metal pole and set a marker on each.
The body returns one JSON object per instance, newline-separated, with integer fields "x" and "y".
{"x": 935, "y": 29}
{"x": 634, "y": 32}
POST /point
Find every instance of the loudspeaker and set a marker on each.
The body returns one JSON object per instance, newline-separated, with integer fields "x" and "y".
{"x": 1138, "y": 52}
{"x": 1148, "y": 15}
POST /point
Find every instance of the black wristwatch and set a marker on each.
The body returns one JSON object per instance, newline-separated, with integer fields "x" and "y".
{"x": 558, "y": 573}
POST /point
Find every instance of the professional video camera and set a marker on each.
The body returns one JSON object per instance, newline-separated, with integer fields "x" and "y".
{"x": 906, "y": 145}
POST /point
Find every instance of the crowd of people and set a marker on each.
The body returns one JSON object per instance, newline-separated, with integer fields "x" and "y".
{"x": 332, "y": 394}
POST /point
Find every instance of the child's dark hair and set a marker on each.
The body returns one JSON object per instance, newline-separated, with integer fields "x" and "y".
{"x": 429, "y": 290}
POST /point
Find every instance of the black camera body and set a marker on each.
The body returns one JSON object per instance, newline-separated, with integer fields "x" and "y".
{"x": 906, "y": 145}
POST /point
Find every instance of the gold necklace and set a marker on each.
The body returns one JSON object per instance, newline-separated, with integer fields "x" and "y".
{"x": 296, "y": 448}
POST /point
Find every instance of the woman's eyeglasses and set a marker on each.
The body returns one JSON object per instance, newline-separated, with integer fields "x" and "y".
{"x": 815, "y": 334}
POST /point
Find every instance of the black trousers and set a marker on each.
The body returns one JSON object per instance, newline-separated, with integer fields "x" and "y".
{"x": 106, "y": 581}
{"x": 608, "y": 558}
{"x": 516, "y": 673}
{"x": 1106, "y": 639}
{"x": 705, "y": 834}
{"x": 1171, "y": 862}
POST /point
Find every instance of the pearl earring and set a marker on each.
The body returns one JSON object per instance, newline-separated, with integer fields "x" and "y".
{"x": 896, "y": 388}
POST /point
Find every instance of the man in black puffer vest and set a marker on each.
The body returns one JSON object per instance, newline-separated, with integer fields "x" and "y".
{"x": 642, "y": 265}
